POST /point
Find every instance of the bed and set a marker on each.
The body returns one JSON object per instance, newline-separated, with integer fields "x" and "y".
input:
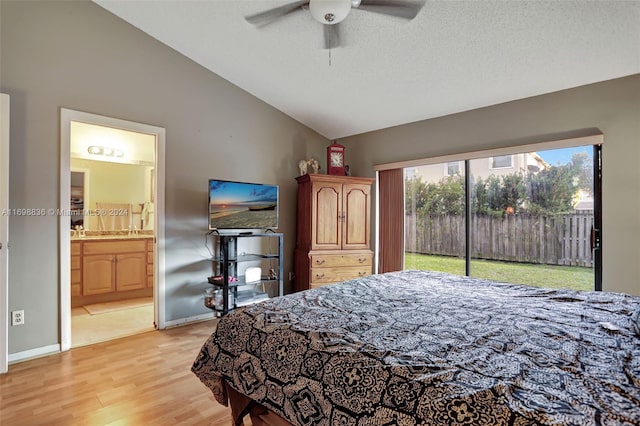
{"x": 428, "y": 348}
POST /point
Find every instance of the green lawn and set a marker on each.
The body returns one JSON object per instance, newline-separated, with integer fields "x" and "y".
{"x": 518, "y": 273}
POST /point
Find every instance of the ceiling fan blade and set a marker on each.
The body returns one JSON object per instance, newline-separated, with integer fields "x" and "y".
{"x": 331, "y": 36}
{"x": 271, "y": 15}
{"x": 407, "y": 9}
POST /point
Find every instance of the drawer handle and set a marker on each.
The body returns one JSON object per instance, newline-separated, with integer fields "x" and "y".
{"x": 319, "y": 261}
{"x": 362, "y": 259}
{"x": 362, "y": 273}
{"x": 319, "y": 275}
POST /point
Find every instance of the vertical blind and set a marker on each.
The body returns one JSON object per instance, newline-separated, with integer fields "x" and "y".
{"x": 391, "y": 220}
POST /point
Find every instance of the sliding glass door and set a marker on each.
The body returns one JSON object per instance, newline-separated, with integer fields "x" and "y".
{"x": 435, "y": 227}
{"x": 532, "y": 218}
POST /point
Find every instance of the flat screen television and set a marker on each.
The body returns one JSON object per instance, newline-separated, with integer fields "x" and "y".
{"x": 242, "y": 205}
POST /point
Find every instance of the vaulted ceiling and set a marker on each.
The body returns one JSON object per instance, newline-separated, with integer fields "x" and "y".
{"x": 453, "y": 56}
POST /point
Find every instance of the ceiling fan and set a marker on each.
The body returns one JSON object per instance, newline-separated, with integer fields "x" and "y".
{"x": 331, "y": 12}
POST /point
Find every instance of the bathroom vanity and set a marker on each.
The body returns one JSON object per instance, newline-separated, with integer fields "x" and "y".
{"x": 108, "y": 267}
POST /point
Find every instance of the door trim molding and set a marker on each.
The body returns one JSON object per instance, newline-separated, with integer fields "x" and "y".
{"x": 596, "y": 138}
{"x": 4, "y": 232}
{"x": 66, "y": 117}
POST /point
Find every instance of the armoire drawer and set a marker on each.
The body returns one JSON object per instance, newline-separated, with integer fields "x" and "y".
{"x": 334, "y": 275}
{"x": 340, "y": 260}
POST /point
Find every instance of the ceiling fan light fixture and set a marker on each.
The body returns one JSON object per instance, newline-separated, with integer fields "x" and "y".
{"x": 329, "y": 12}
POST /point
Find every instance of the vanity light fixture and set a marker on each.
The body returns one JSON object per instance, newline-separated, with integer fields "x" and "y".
{"x": 107, "y": 152}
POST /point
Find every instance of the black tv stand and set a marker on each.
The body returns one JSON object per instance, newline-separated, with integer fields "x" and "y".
{"x": 231, "y": 289}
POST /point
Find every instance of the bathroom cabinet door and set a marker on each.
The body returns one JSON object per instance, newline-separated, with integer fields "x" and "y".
{"x": 98, "y": 274}
{"x": 131, "y": 271}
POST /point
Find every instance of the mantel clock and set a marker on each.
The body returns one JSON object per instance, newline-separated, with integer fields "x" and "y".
{"x": 335, "y": 159}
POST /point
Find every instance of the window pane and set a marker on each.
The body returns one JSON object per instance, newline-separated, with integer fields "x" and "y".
{"x": 531, "y": 224}
{"x": 453, "y": 168}
{"x": 501, "y": 161}
{"x": 434, "y": 221}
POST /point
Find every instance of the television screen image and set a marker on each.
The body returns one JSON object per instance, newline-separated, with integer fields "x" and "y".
{"x": 242, "y": 205}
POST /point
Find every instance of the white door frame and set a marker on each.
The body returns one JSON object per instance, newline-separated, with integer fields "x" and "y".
{"x": 66, "y": 117}
{"x": 4, "y": 233}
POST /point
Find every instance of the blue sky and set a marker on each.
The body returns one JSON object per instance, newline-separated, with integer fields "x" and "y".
{"x": 226, "y": 192}
{"x": 563, "y": 155}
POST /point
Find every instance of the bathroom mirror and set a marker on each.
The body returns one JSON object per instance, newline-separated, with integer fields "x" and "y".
{"x": 77, "y": 198}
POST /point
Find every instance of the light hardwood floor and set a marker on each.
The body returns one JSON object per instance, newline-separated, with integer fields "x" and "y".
{"x": 138, "y": 380}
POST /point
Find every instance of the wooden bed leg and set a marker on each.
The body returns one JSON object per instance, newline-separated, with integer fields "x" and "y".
{"x": 242, "y": 405}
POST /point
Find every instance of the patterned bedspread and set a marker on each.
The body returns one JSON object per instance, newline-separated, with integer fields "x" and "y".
{"x": 426, "y": 348}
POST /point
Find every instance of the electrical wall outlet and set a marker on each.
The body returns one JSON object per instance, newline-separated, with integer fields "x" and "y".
{"x": 17, "y": 317}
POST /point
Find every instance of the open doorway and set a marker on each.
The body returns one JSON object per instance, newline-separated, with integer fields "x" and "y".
{"x": 111, "y": 238}
{"x": 112, "y": 233}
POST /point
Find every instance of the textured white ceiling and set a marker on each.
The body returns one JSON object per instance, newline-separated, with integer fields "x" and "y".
{"x": 454, "y": 56}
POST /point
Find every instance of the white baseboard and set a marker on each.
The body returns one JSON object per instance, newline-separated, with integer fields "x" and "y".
{"x": 48, "y": 350}
{"x": 185, "y": 321}
{"x": 33, "y": 353}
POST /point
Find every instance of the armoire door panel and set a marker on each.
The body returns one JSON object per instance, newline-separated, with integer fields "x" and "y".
{"x": 356, "y": 214}
{"x": 328, "y": 204}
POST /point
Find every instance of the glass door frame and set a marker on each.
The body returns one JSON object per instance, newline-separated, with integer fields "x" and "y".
{"x": 596, "y": 232}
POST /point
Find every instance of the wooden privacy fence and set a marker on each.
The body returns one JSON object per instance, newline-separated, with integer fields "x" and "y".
{"x": 555, "y": 240}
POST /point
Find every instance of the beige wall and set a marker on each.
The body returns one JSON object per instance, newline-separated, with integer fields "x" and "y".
{"x": 612, "y": 107}
{"x": 76, "y": 55}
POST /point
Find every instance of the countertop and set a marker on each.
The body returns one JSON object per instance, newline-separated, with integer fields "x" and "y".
{"x": 113, "y": 236}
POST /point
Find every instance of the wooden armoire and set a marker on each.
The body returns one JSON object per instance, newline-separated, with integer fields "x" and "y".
{"x": 333, "y": 230}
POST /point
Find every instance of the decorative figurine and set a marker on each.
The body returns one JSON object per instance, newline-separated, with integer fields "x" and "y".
{"x": 304, "y": 164}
